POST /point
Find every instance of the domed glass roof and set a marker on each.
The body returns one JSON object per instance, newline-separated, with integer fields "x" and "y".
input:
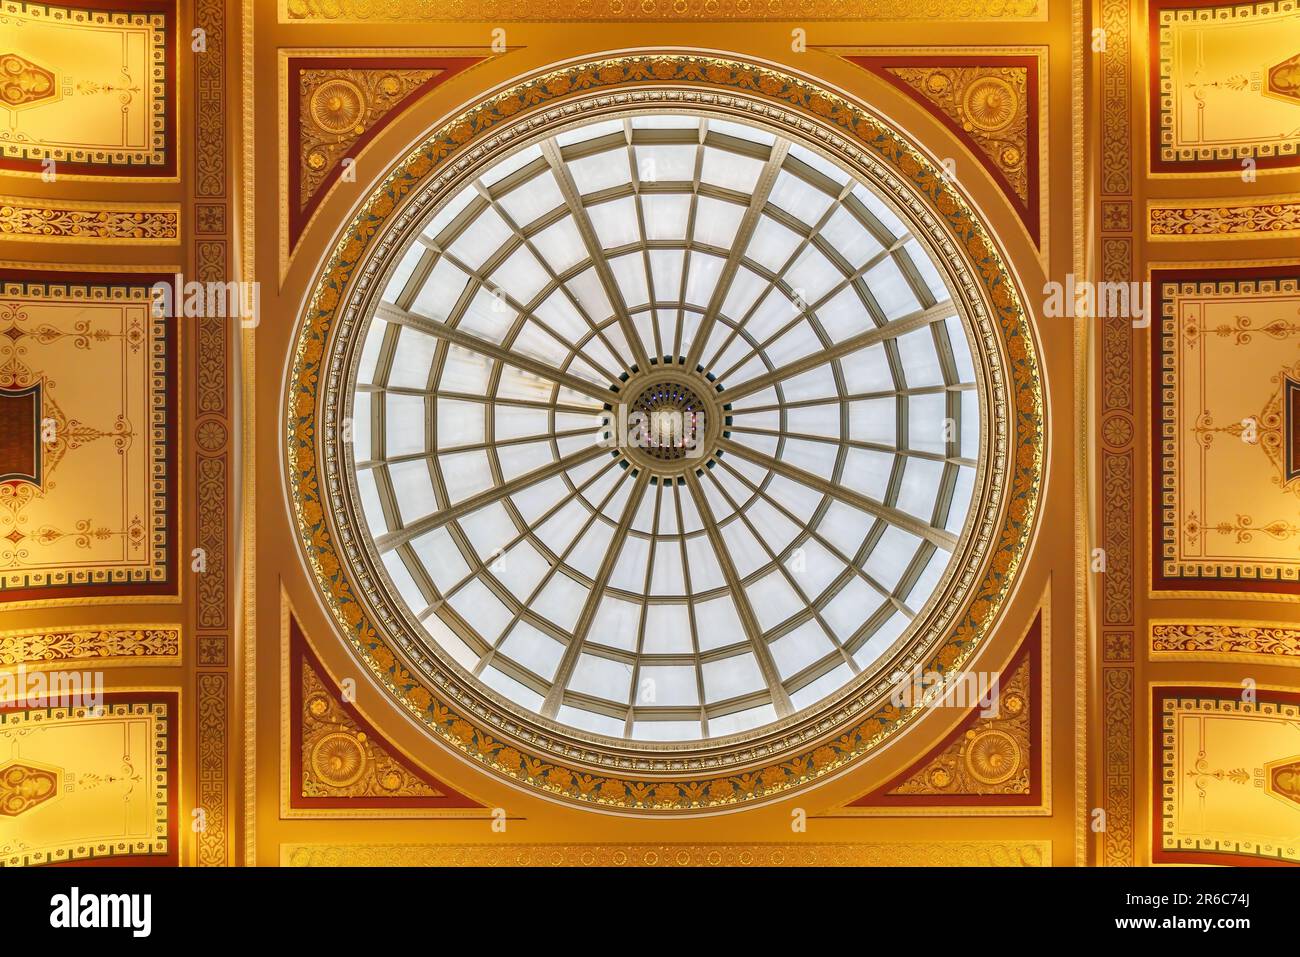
{"x": 665, "y": 428}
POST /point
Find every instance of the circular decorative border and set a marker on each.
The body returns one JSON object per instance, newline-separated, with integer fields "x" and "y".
{"x": 689, "y": 782}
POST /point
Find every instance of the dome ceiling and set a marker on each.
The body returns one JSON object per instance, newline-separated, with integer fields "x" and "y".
{"x": 643, "y": 269}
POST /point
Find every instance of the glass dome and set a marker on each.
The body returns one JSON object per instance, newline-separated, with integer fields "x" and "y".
{"x": 665, "y": 428}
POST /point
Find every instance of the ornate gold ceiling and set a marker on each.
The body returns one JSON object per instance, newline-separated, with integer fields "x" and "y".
{"x": 177, "y": 518}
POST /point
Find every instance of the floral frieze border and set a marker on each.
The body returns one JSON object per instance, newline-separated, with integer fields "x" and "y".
{"x": 829, "y": 747}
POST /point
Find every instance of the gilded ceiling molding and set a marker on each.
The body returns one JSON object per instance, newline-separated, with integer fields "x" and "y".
{"x": 88, "y": 507}
{"x": 585, "y": 775}
{"x": 937, "y": 854}
{"x": 1218, "y": 763}
{"x": 1115, "y": 482}
{"x": 88, "y": 787}
{"x": 1265, "y": 217}
{"x": 338, "y": 765}
{"x": 1257, "y": 642}
{"x": 1118, "y": 798}
{"x": 1224, "y": 86}
{"x": 1225, "y": 379}
{"x": 991, "y": 105}
{"x": 211, "y": 190}
{"x": 993, "y": 759}
{"x": 102, "y": 645}
{"x": 47, "y": 220}
{"x": 550, "y": 11}
{"x": 333, "y": 104}
{"x": 93, "y": 90}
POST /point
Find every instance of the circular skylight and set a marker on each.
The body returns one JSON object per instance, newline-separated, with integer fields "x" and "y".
{"x": 665, "y": 428}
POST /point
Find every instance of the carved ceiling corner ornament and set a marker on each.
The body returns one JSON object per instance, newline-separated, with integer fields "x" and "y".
{"x": 994, "y": 756}
{"x": 581, "y": 770}
{"x": 339, "y": 760}
{"x": 990, "y": 104}
{"x": 337, "y": 105}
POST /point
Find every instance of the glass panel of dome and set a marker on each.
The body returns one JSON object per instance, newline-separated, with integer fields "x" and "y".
{"x": 521, "y": 275}
{"x": 814, "y": 568}
{"x": 413, "y": 489}
{"x": 741, "y": 131}
{"x": 590, "y": 294}
{"x": 561, "y": 601}
{"x": 404, "y": 424}
{"x": 661, "y": 685}
{"x": 451, "y": 642}
{"x": 511, "y": 689}
{"x": 846, "y": 235}
{"x": 616, "y": 623}
{"x": 532, "y": 199}
{"x": 928, "y": 429}
{"x": 486, "y": 614}
{"x": 961, "y": 496}
{"x": 666, "y": 577}
{"x": 488, "y": 233}
{"x": 960, "y": 349}
{"x": 666, "y": 215}
{"x": 823, "y": 419}
{"x": 799, "y": 648}
{"x": 730, "y": 170}
{"x": 519, "y": 460}
{"x": 666, "y": 730}
{"x": 880, "y": 640}
{"x": 361, "y": 441}
{"x": 666, "y": 121}
{"x": 441, "y": 558}
{"x": 846, "y": 527}
{"x": 445, "y": 216}
{"x": 716, "y": 222}
{"x": 731, "y": 677}
{"x": 920, "y": 487}
{"x": 532, "y": 648}
{"x": 602, "y": 677}
{"x": 883, "y": 214}
{"x": 772, "y": 244}
{"x": 819, "y": 163}
{"x": 667, "y": 630}
{"x": 815, "y": 458}
{"x": 874, "y": 420}
{"x": 405, "y": 266}
{"x": 441, "y": 290}
{"x": 590, "y": 131}
{"x": 629, "y": 273}
{"x": 816, "y": 690}
{"x": 591, "y": 174}
{"x": 464, "y": 473}
{"x": 801, "y": 200}
{"x": 925, "y": 266}
{"x": 615, "y": 222}
{"x": 403, "y": 581}
{"x": 872, "y": 469}
{"x": 773, "y": 599}
{"x": 411, "y": 360}
{"x": 717, "y": 623}
{"x": 370, "y": 501}
{"x": 666, "y": 272}
{"x": 560, "y": 244}
{"x": 513, "y": 162}
{"x": 739, "y": 721}
{"x": 591, "y": 721}
{"x": 891, "y": 556}
{"x": 890, "y": 289}
{"x": 846, "y": 612}
{"x": 465, "y": 371}
{"x": 705, "y": 571}
{"x": 665, "y": 164}
{"x": 916, "y": 350}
